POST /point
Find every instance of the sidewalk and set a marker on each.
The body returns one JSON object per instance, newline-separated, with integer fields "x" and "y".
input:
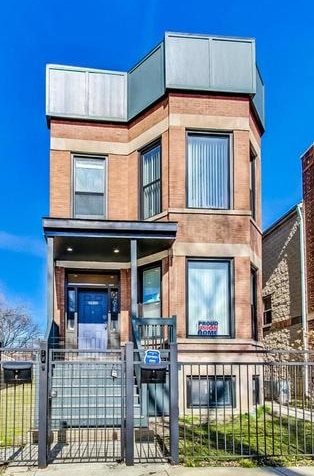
{"x": 101, "y": 469}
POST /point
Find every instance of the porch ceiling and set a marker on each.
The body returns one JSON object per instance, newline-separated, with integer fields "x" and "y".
{"x": 93, "y": 240}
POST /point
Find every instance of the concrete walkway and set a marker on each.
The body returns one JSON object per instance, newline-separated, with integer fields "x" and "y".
{"x": 100, "y": 469}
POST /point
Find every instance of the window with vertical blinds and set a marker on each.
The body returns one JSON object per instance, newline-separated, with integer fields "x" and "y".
{"x": 208, "y": 171}
{"x": 151, "y": 196}
{"x": 209, "y": 298}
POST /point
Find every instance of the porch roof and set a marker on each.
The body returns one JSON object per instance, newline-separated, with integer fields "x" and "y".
{"x": 95, "y": 240}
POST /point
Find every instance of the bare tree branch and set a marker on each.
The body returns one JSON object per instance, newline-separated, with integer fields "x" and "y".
{"x": 17, "y": 328}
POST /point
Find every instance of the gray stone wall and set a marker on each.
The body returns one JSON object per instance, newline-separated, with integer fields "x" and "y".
{"x": 282, "y": 280}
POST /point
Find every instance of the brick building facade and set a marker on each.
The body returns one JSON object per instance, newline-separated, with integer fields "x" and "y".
{"x": 288, "y": 269}
{"x": 155, "y": 203}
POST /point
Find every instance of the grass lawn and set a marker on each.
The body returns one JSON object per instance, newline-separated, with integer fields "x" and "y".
{"x": 263, "y": 438}
{"x": 16, "y": 414}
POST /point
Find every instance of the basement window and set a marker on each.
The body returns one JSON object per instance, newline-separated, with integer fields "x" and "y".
{"x": 210, "y": 391}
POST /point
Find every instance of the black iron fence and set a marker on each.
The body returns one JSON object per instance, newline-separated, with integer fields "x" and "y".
{"x": 74, "y": 405}
{"x": 247, "y": 405}
{"x": 19, "y": 405}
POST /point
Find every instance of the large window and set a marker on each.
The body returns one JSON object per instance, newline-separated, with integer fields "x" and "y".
{"x": 210, "y": 391}
{"x": 150, "y": 167}
{"x": 208, "y": 171}
{"x": 209, "y": 298}
{"x": 151, "y": 290}
{"x": 89, "y": 187}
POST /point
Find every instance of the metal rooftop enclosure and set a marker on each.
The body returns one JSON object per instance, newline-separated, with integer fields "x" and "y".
{"x": 181, "y": 61}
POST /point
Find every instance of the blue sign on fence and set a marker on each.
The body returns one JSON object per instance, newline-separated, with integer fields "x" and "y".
{"x": 152, "y": 357}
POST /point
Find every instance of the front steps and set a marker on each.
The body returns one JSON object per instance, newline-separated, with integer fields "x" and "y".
{"x": 90, "y": 394}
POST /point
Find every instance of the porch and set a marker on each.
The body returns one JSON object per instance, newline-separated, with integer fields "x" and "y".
{"x": 93, "y": 278}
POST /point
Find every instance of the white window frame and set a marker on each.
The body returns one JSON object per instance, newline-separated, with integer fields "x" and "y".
{"x": 267, "y": 311}
{"x": 229, "y": 136}
{"x": 143, "y": 152}
{"x": 76, "y": 157}
{"x": 152, "y": 308}
{"x": 207, "y": 320}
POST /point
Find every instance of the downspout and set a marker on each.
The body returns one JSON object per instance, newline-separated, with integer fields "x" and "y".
{"x": 303, "y": 298}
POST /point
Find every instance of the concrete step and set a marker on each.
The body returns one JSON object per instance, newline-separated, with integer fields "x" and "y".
{"x": 90, "y": 395}
{"x": 86, "y": 382}
{"x": 62, "y": 401}
{"x": 92, "y": 422}
{"x": 87, "y": 371}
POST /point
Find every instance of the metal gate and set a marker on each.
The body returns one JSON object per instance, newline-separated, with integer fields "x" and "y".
{"x": 19, "y": 384}
{"x": 79, "y": 405}
{"x": 152, "y": 430}
{"x": 86, "y": 405}
{"x": 100, "y": 408}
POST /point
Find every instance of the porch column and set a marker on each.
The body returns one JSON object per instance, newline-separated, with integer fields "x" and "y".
{"x": 133, "y": 278}
{"x": 49, "y": 282}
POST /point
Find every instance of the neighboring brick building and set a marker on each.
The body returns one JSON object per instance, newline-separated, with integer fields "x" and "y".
{"x": 155, "y": 203}
{"x": 288, "y": 269}
{"x": 282, "y": 320}
{"x": 308, "y": 199}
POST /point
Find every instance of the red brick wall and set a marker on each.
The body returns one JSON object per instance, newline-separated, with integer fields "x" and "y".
{"x": 308, "y": 197}
{"x": 177, "y": 191}
{"x": 209, "y": 105}
{"x": 118, "y": 181}
{"x": 59, "y": 298}
{"x": 123, "y": 171}
{"x": 241, "y": 160}
{"x": 125, "y": 305}
{"x": 204, "y": 228}
{"x": 123, "y": 194}
{"x": 60, "y": 184}
{"x": 89, "y": 131}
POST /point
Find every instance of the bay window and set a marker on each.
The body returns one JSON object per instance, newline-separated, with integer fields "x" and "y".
{"x": 209, "y": 298}
{"x": 151, "y": 186}
{"x": 208, "y": 171}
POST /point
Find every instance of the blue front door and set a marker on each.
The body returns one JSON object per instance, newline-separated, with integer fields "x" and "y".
{"x": 92, "y": 319}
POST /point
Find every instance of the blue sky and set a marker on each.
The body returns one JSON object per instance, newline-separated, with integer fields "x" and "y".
{"x": 115, "y": 35}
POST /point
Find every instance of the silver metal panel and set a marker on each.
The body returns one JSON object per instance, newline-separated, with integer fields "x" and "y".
{"x": 183, "y": 61}
{"x": 86, "y": 93}
{"x": 66, "y": 92}
{"x": 233, "y": 65}
{"x": 146, "y": 81}
{"x": 258, "y": 99}
{"x": 210, "y": 63}
{"x": 107, "y": 95}
{"x": 187, "y": 62}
